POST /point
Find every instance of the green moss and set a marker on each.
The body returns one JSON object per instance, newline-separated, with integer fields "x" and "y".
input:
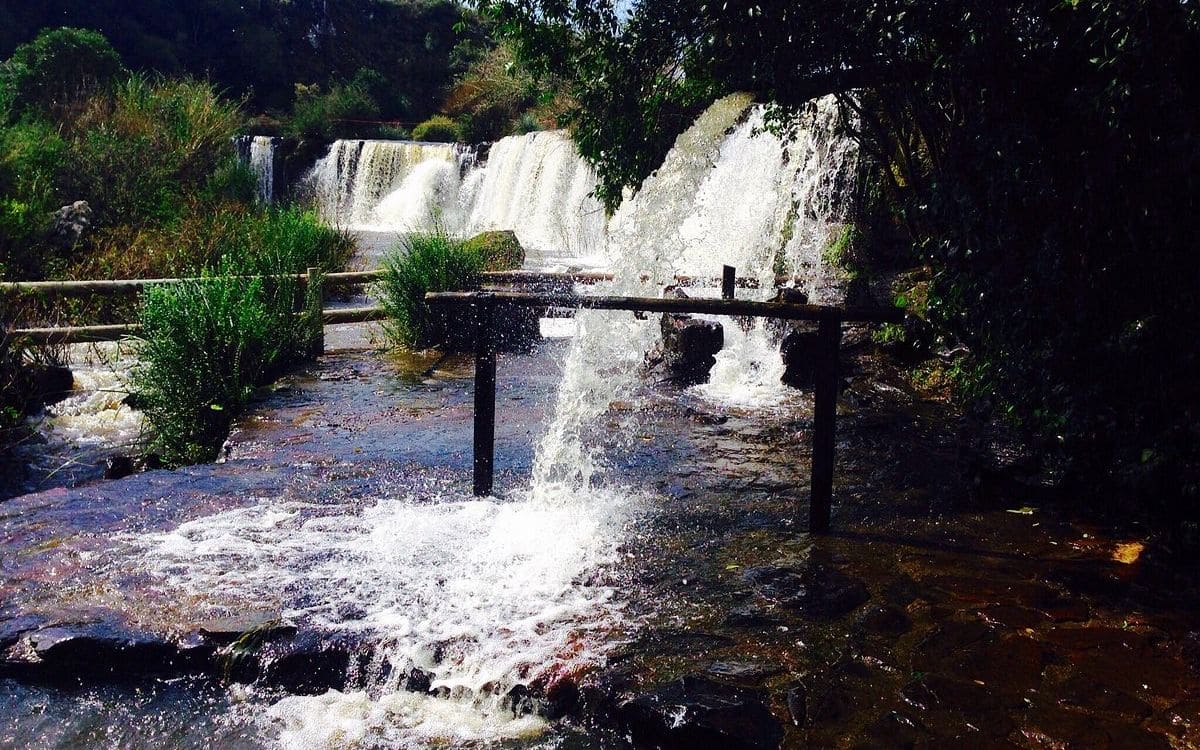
{"x": 500, "y": 250}
{"x": 438, "y": 129}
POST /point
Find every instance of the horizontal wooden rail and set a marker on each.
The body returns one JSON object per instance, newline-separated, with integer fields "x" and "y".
{"x": 535, "y": 278}
{"x": 133, "y": 286}
{"x": 692, "y": 306}
{"x": 93, "y": 334}
{"x": 488, "y": 307}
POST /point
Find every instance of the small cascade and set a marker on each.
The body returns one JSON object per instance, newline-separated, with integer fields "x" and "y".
{"x": 538, "y": 186}
{"x": 400, "y": 186}
{"x": 260, "y": 153}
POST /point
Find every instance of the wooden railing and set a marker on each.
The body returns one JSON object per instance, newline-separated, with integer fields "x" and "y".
{"x": 558, "y": 282}
{"x": 489, "y": 307}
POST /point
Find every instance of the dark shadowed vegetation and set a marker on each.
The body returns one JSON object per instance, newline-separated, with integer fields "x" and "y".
{"x": 1040, "y": 159}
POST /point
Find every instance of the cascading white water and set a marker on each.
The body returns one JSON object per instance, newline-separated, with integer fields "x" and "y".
{"x": 388, "y": 185}
{"x": 535, "y": 185}
{"x": 262, "y": 161}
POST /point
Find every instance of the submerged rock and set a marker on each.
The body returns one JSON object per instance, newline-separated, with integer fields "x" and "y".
{"x": 696, "y": 713}
{"x": 816, "y": 591}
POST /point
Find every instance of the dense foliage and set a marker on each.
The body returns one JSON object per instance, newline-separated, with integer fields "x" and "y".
{"x": 1041, "y": 157}
{"x": 107, "y": 174}
{"x": 262, "y": 50}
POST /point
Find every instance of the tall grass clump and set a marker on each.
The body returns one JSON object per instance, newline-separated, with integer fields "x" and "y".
{"x": 207, "y": 344}
{"x": 426, "y": 262}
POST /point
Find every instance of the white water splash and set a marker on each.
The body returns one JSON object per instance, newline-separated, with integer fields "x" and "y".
{"x": 535, "y": 185}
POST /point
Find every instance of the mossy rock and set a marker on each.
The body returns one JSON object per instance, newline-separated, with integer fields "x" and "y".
{"x": 501, "y": 250}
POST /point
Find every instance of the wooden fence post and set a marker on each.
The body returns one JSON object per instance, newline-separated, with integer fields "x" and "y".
{"x": 829, "y": 337}
{"x": 728, "y": 281}
{"x": 485, "y": 394}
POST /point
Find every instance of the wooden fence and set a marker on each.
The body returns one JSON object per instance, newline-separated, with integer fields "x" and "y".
{"x": 489, "y": 308}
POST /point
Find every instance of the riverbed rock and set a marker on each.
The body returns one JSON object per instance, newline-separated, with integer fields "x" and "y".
{"x": 263, "y": 625}
{"x": 689, "y": 347}
{"x": 696, "y": 713}
{"x": 99, "y": 651}
{"x": 743, "y": 671}
{"x": 814, "y": 590}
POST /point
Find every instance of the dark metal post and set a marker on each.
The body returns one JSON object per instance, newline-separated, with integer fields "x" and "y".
{"x": 485, "y": 395}
{"x": 829, "y": 337}
{"x": 728, "y": 281}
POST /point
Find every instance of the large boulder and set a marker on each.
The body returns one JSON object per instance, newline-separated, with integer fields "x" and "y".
{"x": 70, "y": 225}
{"x": 501, "y": 250}
{"x": 689, "y": 345}
{"x": 696, "y": 713}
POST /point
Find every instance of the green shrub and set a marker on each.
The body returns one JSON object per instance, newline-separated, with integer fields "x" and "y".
{"x": 139, "y": 155}
{"x": 423, "y": 263}
{"x": 206, "y": 345}
{"x": 57, "y": 72}
{"x": 234, "y": 181}
{"x": 438, "y": 129}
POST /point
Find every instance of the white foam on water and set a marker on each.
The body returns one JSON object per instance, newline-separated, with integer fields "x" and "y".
{"x": 748, "y": 372}
{"x": 481, "y": 594}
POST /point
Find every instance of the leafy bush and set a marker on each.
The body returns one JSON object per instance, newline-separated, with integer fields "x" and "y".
{"x": 56, "y": 73}
{"x": 206, "y": 345}
{"x": 138, "y": 155}
{"x": 422, "y": 263}
{"x": 438, "y": 129}
{"x": 31, "y": 168}
{"x": 291, "y": 237}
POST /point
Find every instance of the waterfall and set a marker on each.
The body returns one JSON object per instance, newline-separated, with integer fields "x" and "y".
{"x": 481, "y": 598}
{"x": 535, "y": 185}
{"x": 259, "y": 153}
{"x": 400, "y": 186}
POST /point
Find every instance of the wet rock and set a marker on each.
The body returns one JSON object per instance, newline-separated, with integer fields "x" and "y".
{"x": 674, "y": 640}
{"x": 689, "y": 347}
{"x": 695, "y": 713}
{"x": 743, "y": 671}
{"x": 118, "y": 467}
{"x": 1090, "y": 696}
{"x": 560, "y": 698}
{"x": 801, "y": 352}
{"x": 13, "y": 628}
{"x": 306, "y": 665}
{"x": 99, "y": 651}
{"x": 752, "y": 616}
{"x": 70, "y": 224}
{"x": 893, "y": 730}
{"x": 886, "y": 620}
{"x": 54, "y": 383}
{"x": 259, "y": 626}
{"x": 817, "y": 590}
